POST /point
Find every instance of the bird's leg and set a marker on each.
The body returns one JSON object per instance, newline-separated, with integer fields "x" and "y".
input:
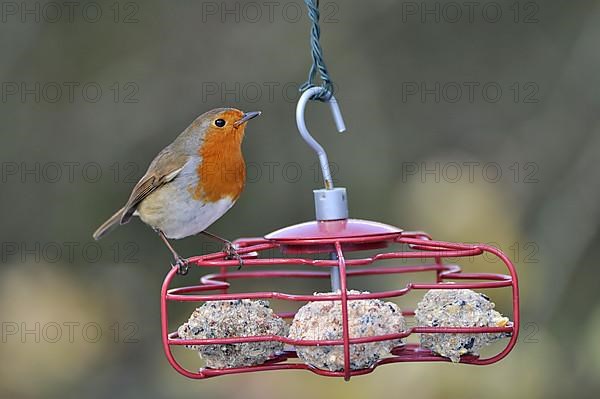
{"x": 182, "y": 264}
{"x": 228, "y": 248}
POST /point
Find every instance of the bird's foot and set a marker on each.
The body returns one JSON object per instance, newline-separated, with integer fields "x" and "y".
{"x": 182, "y": 265}
{"x": 231, "y": 253}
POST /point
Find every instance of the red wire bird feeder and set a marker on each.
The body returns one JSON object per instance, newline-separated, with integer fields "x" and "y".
{"x": 339, "y": 236}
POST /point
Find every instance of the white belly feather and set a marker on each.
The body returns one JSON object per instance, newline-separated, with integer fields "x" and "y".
{"x": 174, "y": 211}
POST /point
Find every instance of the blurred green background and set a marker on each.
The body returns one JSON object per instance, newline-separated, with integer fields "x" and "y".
{"x": 474, "y": 122}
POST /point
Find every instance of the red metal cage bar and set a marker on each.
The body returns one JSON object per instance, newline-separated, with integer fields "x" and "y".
{"x": 418, "y": 246}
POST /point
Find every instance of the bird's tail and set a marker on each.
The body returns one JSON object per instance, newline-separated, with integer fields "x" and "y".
{"x": 109, "y": 225}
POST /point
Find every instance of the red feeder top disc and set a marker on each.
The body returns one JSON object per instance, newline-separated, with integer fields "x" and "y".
{"x": 319, "y": 236}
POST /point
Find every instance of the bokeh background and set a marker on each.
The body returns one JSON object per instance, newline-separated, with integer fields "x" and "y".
{"x": 514, "y": 162}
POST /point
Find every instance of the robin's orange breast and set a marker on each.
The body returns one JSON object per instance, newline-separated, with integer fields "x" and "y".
{"x": 222, "y": 171}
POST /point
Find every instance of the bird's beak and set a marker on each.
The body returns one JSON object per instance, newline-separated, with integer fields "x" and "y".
{"x": 247, "y": 116}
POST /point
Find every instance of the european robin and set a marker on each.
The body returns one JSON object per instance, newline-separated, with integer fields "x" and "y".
{"x": 192, "y": 182}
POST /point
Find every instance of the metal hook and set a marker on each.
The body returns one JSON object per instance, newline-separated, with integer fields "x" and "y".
{"x": 339, "y": 123}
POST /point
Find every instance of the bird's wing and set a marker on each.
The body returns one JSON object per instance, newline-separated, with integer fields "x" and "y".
{"x": 163, "y": 169}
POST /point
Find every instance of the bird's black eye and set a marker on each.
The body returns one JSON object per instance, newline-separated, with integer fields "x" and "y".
{"x": 220, "y": 122}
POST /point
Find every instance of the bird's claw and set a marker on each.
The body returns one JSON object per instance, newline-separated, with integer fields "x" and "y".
{"x": 231, "y": 253}
{"x": 182, "y": 265}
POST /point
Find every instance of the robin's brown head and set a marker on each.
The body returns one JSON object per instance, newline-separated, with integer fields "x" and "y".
{"x": 224, "y": 124}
